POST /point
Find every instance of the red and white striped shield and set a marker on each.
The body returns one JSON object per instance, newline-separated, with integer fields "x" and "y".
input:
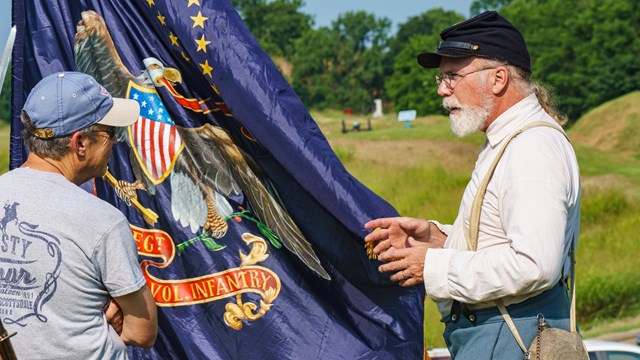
{"x": 154, "y": 138}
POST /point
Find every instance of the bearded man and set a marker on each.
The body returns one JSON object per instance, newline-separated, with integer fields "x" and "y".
{"x": 526, "y": 195}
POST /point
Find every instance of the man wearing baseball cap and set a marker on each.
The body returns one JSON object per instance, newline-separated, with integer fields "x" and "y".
{"x": 70, "y": 253}
{"x": 519, "y": 215}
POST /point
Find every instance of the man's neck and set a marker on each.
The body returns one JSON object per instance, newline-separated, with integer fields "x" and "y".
{"x": 503, "y": 103}
{"x": 60, "y": 166}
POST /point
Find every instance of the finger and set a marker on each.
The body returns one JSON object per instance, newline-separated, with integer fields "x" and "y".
{"x": 382, "y": 247}
{"x": 385, "y": 252}
{"x": 396, "y": 265}
{"x": 377, "y": 235}
{"x": 380, "y": 222}
{"x": 412, "y": 281}
{"x": 399, "y": 276}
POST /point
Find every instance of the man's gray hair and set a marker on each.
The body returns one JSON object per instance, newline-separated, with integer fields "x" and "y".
{"x": 521, "y": 81}
{"x": 48, "y": 148}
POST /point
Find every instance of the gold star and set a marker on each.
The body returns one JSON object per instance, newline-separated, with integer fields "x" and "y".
{"x": 206, "y": 69}
{"x": 191, "y": 2}
{"x": 202, "y": 44}
{"x": 199, "y": 20}
{"x": 161, "y": 19}
{"x": 215, "y": 89}
{"x": 150, "y": 2}
{"x": 174, "y": 39}
{"x": 184, "y": 56}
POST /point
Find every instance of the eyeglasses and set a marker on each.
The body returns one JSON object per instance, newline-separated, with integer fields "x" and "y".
{"x": 451, "y": 80}
{"x": 111, "y": 132}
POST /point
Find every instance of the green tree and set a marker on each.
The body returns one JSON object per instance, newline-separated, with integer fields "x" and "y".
{"x": 275, "y": 24}
{"x": 431, "y": 22}
{"x": 479, "y": 6}
{"x": 586, "y": 50}
{"x": 363, "y": 58}
{"x": 313, "y": 65}
{"x": 411, "y": 86}
{"x": 5, "y": 98}
{"x": 344, "y": 66}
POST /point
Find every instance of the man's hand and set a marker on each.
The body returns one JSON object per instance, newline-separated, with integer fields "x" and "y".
{"x": 402, "y": 245}
{"x": 402, "y": 232}
{"x": 407, "y": 265}
{"x": 114, "y": 316}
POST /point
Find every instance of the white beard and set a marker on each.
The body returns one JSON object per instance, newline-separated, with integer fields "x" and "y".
{"x": 469, "y": 119}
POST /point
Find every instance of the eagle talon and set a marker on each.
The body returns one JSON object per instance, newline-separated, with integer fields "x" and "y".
{"x": 215, "y": 223}
{"x": 127, "y": 191}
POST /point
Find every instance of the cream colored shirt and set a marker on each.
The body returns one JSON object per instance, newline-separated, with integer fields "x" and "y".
{"x": 530, "y": 213}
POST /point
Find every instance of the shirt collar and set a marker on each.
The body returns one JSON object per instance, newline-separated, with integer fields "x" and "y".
{"x": 513, "y": 119}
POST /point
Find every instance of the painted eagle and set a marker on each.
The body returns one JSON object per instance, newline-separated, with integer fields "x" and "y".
{"x": 200, "y": 180}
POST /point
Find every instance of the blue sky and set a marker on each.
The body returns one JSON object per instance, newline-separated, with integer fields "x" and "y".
{"x": 398, "y": 11}
{"x": 323, "y": 11}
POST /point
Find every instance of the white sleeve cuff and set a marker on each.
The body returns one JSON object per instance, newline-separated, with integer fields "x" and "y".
{"x": 436, "y": 273}
{"x": 446, "y": 229}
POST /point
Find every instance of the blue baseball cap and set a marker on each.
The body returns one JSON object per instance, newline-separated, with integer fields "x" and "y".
{"x": 63, "y": 103}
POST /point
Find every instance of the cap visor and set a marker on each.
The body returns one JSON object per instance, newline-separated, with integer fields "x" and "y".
{"x": 432, "y": 59}
{"x": 124, "y": 112}
{"x": 429, "y": 60}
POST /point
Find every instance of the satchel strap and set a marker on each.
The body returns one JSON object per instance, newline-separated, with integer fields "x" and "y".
{"x": 474, "y": 227}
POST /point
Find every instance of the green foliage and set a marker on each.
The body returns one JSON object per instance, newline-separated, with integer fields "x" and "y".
{"x": 429, "y": 23}
{"x": 411, "y": 86}
{"x": 602, "y": 206}
{"x": 275, "y": 24}
{"x": 599, "y": 297}
{"x": 5, "y": 99}
{"x": 344, "y": 66}
{"x": 585, "y": 49}
{"x": 345, "y": 154}
{"x": 4, "y": 148}
{"x": 478, "y": 6}
{"x": 314, "y": 63}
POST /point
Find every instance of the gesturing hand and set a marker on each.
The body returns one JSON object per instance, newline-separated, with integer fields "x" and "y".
{"x": 402, "y": 244}
{"x": 401, "y": 232}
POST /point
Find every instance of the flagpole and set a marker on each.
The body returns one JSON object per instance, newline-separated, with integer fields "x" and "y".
{"x": 6, "y": 349}
{"x": 6, "y": 55}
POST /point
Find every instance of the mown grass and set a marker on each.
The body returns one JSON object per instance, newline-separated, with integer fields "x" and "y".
{"x": 4, "y": 147}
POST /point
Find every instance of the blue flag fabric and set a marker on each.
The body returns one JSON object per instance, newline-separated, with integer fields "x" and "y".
{"x": 249, "y": 229}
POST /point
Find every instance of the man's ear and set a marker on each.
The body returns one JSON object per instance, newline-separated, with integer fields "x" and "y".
{"x": 501, "y": 80}
{"x": 79, "y": 143}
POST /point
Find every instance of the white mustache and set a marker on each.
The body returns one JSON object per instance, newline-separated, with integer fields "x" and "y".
{"x": 450, "y": 103}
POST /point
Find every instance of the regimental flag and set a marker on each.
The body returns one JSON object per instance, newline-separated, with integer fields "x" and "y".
{"x": 249, "y": 229}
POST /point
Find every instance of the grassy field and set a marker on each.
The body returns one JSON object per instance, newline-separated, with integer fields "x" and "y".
{"x": 4, "y": 147}
{"x": 423, "y": 170}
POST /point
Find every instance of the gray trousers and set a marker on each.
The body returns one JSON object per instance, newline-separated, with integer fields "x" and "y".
{"x": 490, "y": 337}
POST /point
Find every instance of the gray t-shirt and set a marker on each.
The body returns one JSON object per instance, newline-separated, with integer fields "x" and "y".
{"x": 63, "y": 252}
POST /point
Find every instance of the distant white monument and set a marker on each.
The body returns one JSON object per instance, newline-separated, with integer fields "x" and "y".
{"x": 378, "y": 111}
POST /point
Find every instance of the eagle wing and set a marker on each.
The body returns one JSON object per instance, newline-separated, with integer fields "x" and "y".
{"x": 263, "y": 204}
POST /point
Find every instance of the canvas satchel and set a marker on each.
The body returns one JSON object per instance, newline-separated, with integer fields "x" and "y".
{"x": 549, "y": 343}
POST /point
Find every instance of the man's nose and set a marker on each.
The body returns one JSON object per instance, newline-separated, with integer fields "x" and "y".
{"x": 443, "y": 90}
